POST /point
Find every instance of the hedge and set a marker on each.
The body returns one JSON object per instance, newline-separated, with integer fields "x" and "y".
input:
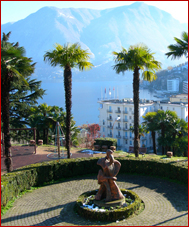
{"x": 109, "y": 215}
{"x": 108, "y": 141}
{"x": 37, "y": 174}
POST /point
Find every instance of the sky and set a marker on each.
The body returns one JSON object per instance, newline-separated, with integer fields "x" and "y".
{"x": 12, "y": 11}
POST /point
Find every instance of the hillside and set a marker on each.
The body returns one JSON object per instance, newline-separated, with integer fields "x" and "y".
{"x": 100, "y": 31}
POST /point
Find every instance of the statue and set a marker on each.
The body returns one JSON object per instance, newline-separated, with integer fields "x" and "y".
{"x": 107, "y": 177}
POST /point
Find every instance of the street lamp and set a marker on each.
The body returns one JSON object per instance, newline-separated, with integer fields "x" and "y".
{"x": 118, "y": 118}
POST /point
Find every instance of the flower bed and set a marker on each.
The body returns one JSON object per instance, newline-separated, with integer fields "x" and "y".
{"x": 86, "y": 207}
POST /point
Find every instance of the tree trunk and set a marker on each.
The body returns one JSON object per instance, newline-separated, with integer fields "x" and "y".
{"x": 154, "y": 141}
{"x": 5, "y": 87}
{"x": 136, "y": 110}
{"x": 163, "y": 136}
{"x": 68, "y": 100}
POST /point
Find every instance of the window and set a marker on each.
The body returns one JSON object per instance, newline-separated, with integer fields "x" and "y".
{"x": 130, "y": 142}
{"x": 130, "y": 134}
{"x": 126, "y": 134}
{"x": 130, "y": 117}
{"x": 110, "y": 109}
{"x": 118, "y": 133}
{"x": 125, "y": 125}
{"x": 103, "y": 122}
{"x": 130, "y": 109}
{"x": 101, "y": 106}
{"x": 103, "y": 129}
{"x": 118, "y": 125}
{"x": 110, "y": 116}
{"x": 125, "y": 141}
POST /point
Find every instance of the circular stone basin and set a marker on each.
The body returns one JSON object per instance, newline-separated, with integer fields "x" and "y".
{"x": 86, "y": 206}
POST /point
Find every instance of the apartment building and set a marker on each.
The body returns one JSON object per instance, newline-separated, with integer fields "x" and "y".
{"x": 185, "y": 87}
{"x": 117, "y": 116}
{"x": 173, "y": 85}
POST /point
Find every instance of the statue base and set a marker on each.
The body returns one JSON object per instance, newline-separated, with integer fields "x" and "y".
{"x": 114, "y": 203}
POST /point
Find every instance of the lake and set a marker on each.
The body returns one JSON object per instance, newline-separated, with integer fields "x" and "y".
{"x": 86, "y": 94}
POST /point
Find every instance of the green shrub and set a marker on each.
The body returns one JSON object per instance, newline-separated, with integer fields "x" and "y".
{"x": 108, "y": 215}
{"x": 37, "y": 174}
{"x": 106, "y": 141}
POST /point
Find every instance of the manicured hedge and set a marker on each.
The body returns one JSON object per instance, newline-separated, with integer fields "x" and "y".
{"x": 37, "y": 174}
{"x": 109, "y": 215}
{"x": 108, "y": 141}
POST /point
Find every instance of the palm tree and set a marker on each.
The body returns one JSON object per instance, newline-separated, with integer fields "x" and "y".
{"x": 68, "y": 57}
{"x": 13, "y": 65}
{"x": 180, "y": 48}
{"x": 137, "y": 58}
{"x": 150, "y": 121}
{"x": 167, "y": 122}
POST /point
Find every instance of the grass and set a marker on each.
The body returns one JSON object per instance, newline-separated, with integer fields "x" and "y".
{"x": 11, "y": 202}
{"x": 150, "y": 156}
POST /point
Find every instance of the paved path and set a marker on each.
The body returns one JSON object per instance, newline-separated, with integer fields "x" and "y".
{"x": 166, "y": 203}
{"x": 24, "y": 155}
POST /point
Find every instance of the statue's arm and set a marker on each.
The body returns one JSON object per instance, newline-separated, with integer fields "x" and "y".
{"x": 117, "y": 165}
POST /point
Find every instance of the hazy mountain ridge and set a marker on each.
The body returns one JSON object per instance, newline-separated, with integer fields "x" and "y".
{"x": 101, "y": 31}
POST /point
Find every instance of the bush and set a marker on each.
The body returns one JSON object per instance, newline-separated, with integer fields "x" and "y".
{"x": 106, "y": 141}
{"x": 108, "y": 215}
{"x": 37, "y": 174}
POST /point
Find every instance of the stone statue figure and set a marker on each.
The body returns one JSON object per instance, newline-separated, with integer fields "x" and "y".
{"x": 107, "y": 177}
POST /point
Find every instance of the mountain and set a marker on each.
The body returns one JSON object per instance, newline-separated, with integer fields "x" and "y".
{"x": 100, "y": 31}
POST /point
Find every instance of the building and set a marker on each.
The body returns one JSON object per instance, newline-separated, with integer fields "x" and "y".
{"x": 173, "y": 85}
{"x": 185, "y": 87}
{"x": 117, "y": 116}
{"x": 181, "y": 98}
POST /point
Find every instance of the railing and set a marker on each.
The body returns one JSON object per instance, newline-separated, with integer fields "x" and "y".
{"x": 110, "y": 135}
{"x": 125, "y": 112}
{"x": 125, "y": 129}
{"x": 109, "y": 119}
{"x": 118, "y": 136}
{"x": 117, "y": 111}
{"x": 125, "y": 120}
{"x": 109, "y": 111}
{"x": 110, "y": 126}
{"x": 118, "y": 127}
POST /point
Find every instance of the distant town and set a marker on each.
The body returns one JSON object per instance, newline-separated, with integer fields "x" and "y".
{"x": 170, "y": 81}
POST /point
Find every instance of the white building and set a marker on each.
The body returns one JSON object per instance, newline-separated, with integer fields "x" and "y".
{"x": 116, "y": 117}
{"x": 185, "y": 87}
{"x": 173, "y": 85}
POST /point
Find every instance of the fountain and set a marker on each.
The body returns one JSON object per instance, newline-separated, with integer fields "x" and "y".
{"x": 108, "y": 203}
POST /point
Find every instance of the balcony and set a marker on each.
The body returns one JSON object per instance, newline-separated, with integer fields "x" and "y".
{"x": 110, "y": 135}
{"x": 118, "y": 136}
{"x": 125, "y": 137}
{"x": 118, "y": 111}
{"x": 109, "y": 111}
{"x": 125, "y": 112}
{"x": 109, "y": 119}
{"x": 118, "y": 120}
{"x": 110, "y": 126}
{"x": 125, "y": 120}
{"x": 125, "y": 129}
{"x": 118, "y": 127}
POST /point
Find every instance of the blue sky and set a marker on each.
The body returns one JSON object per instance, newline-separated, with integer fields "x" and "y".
{"x": 12, "y": 11}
